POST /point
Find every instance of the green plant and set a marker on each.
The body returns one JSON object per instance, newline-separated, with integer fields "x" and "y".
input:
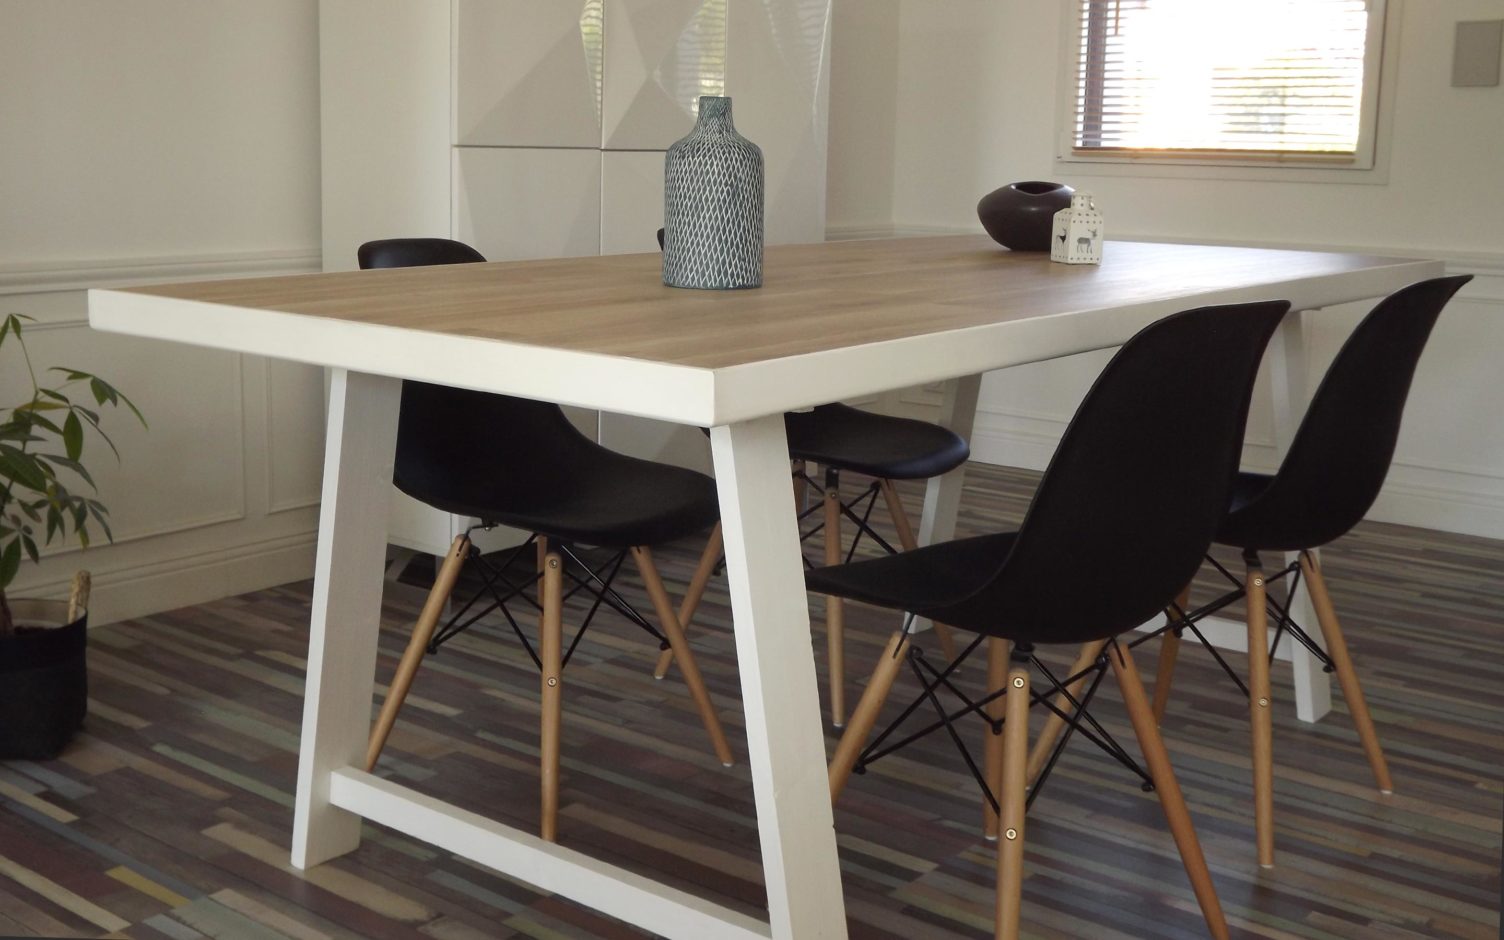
{"x": 34, "y": 495}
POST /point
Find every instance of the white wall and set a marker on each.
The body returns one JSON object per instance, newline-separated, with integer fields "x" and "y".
{"x": 977, "y": 106}
{"x": 163, "y": 140}
{"x": 863, "y": 115}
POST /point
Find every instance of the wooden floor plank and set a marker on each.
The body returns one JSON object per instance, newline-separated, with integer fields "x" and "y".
{"x": 168, "y": 817}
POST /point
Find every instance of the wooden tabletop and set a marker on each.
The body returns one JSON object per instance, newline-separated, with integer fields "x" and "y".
{"x": 832, "y": 320}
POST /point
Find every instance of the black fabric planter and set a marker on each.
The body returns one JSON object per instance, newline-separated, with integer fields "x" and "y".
{"x": 44, "y": 681}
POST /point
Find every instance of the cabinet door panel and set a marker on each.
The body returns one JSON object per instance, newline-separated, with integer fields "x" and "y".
{"x": 631, "y": 201}
{"x": 778, "y": 75}
{"x": 661, "y": 56}
{"x": 518, "y": 204}
{"x": 528, "y": 74}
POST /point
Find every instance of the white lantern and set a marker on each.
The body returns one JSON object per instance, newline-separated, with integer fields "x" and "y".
{"x": 1077, "y": 237}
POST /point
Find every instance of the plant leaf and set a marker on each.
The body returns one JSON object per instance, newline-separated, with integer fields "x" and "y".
{"x": 97, "y": 510}
{"x": 22, "y": 467}
{"x": 73, "y": 436}
{"x": 73, "y": 465}
{"x": 10, "y": 561}
{"x": 44, "y": 422}
{"x": 31, "y": 549}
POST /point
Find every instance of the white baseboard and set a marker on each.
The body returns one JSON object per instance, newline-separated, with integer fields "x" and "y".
{"x": 123, "y": 593}
{"x": 1435, "y": 499}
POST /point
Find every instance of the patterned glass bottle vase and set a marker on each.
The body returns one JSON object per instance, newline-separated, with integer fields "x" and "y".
{"x": 712, "y": 205}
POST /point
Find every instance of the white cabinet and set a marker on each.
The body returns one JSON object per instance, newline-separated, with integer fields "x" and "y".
{"x": 661, "y": 55}
{"x": 527, "y": 73}
{"x": 631, "y": 201}
{"x": 536, "y": 128}
{"x": 512, "y": 204}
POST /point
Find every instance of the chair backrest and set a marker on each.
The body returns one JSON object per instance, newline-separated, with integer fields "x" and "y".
{"x": 1138, "y": 484}
{"x": 1339, "y": 457}
{"x": 459, "y": 449}
{"x": 415, "y": 252}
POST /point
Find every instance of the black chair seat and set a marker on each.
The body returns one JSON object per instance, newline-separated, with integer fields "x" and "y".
{"x": 931, "y": 578}
{"x": 535, "y": 471}
{"x": 620, "y": 503}
{"x": 882, "y": 446}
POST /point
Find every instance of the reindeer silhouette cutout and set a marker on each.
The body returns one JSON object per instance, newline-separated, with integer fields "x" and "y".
{"x": 1083, "y": 243}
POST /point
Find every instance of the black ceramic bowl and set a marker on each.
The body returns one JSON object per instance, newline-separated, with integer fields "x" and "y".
{"x": 1020, "y": 216}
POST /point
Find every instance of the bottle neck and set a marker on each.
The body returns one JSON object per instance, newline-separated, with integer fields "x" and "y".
{"x": 715, "y": 115}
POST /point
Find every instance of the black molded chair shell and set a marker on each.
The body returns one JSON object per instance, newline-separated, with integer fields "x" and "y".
{"x": 883, "y": 446}
{"x": 415, "y": 252}
{"x": 522, "y": 463}
{"x": 1340, "y": 456}
{"x": 1126, "y": 509}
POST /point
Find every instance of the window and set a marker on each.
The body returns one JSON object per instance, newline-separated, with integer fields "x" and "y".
{"x": 1250, "y": 81}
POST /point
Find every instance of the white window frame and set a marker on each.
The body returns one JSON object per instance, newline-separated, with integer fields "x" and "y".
{"x": 1367, "y": 165}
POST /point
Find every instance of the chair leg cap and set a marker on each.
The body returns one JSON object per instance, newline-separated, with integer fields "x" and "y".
{"x": 728, "y": 764}
{"x": 989, "y": 838}
{"x": 1265, "y": 867}
{"x": 1386, "y": 793}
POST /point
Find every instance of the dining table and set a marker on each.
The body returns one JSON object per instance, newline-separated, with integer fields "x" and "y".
{"x": 832, "y": 321}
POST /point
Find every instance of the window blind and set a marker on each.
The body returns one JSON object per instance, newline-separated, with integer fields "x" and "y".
{"x": 1235, "y": 77}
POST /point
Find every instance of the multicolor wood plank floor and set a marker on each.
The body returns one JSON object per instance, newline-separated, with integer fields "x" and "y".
{"x": 170, "y": 816}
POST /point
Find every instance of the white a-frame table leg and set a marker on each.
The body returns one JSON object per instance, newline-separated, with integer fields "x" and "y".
{"x": 785, "y": 738}
{"x": 358, "y": 456}
{"x": 1289, "y": 384}
{"x": 942, "y": 495}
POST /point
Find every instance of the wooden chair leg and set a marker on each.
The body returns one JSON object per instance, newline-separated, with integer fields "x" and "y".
{"x": 1352, "y": 690}
{"x": 992, "y": 750}
{"x": 1053, "y": 723}
{"x": 865, "y": 716}
{"x": 1010, "y": 786}
{"x": 669, "y": 620}
{"x": 1260, "y": 720}
{"x": 1171, "y": 800}
{"x": 540, "y": 545}
{"x": 551, "y": 652}
{"x": 1169, "y": 650}
{"x": 696, "y": 591}
{"x": 417, "y": 645}
{"x": 835, "y": 612}
{"x": 943, "y": 633}
{"x": 801, "y": 485}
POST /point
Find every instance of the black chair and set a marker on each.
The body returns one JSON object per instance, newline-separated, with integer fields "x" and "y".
{"x": 839, "y": 438}
{"x": 510, "y": 461}
{"x": 1093, "y": 558}
{"x": 1327, "y": 482}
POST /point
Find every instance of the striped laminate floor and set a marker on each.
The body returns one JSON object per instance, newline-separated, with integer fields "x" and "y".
{"x": 170, "y": 816}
